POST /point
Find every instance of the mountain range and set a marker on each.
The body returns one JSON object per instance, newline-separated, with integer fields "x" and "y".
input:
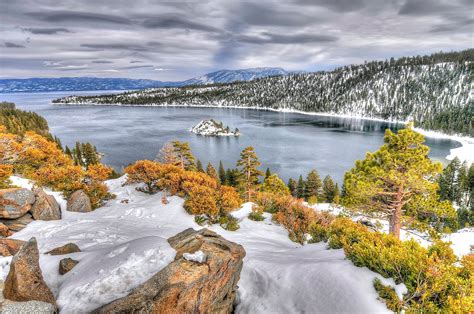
{"x": 94, "y": 83}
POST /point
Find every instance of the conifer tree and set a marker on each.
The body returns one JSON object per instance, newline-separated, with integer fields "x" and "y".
{"x": 273, "y": 184}
{"x": 199, "y": 166}
{"x": 301, "y": 188}
{"x": 337, "y": 195}
{"x": 313, "y": 185}
{"x": 293, "y": 187}
{"x": 222, "y": 173}
{"x": 450, "y": 182}
{"x": 248, "y": 165}
{"x": 211, "y": 171}
{"x": 268, "y": 173}
{"x": 329, "y": 190}
{"x": 399, "y": 175}
{"x": 177, "y": 153}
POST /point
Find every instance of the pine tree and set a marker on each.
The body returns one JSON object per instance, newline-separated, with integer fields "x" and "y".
{"x": 313, "y": 185}
{"x": 248, "y": 165}
{"x": 222, "y": 173}
{"x": 211, "y": 171}
{"x": 450, "y": 183}
{"x": 177, "y": 153}
{"x": 273, "y": 184}
{"x": 199, "y": 166}
{"x": 337, "y": 195}
{"x": 301, "y": 188}
{"x": 329, "y": 190}
{"x": 397, "y": 176}
{"x": 293, "y": 187}
{"x": 89, "y": 155}
{"x": 267, "y": 173}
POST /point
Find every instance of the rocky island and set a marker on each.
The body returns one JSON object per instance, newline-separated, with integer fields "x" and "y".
{"x": 213, "y": 128}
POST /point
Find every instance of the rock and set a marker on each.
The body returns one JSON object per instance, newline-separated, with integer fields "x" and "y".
{"x": 9, "y": 247}
{"x": 15, "y": 202}
{"x": 189, "y": 286}
{"x": 45, "y": 206}
{"x": 66, "y": 264}
{"x": 4, "y": 231}
{"x": 25, "y": 279}
{"x": 19, "y": 223}
{"x": 79, "y": 202}
{"x": 65, "y": 249}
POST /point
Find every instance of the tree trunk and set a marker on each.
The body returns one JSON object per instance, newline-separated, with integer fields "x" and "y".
{"x": 396, "y": 215}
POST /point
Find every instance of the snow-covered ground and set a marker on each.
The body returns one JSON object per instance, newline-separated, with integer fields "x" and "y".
{"x": 125, "y": 244}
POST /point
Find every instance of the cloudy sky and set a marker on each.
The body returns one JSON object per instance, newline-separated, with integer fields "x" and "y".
{"x": 174, "y": 40}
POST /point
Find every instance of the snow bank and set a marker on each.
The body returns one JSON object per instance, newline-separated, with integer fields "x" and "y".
{"x": 125, "y": 244}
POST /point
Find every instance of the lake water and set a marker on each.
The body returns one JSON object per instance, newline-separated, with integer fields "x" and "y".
{"x": 288, "y": 143}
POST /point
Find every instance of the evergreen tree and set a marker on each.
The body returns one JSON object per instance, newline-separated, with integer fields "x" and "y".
{"x": 211, "y": 171}
{"x": 222, "y": 173}
{"x": 89, "y": 155}
{"x": 267, "y": 173}
{"x": 273, "y": 184}
{"x": 177, "y": 153}
{"x": 450, "y": 183}
{"x": 68, "y": 151}
{"x": 248, "y": 165}
{"x": 337, "y": 195}
{"x": 293, "y": 187}
{"x": 313, "y": 185}
{"x": 397, "y": 177}
{"x": 329, "y": 190}
{"x": 199, "y": 166}
{"x": 301, "y": 188}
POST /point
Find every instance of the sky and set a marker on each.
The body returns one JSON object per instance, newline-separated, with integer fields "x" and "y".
{"x": 177, "y": 40}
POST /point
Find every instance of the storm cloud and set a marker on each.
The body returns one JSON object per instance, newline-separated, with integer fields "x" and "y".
{"x": 142, "y": 39}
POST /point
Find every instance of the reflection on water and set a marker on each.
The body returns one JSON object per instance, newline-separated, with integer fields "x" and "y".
{"x": 289, "y": 144}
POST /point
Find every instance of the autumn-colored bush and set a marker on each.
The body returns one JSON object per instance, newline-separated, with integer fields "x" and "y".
{"x": 228, "y": 199}
{"x": 295, "y": 217}
{"x": 201, "y": 200}
{"x": 145, "y": 171}
{"x": 99, "y": 172}
{"x": 66, "y": 179}
{"x": 269, "y": 202}
{"x": 319, "y": 227}
{"x": 434, "y": 281}
{"x": 5, "y": 172}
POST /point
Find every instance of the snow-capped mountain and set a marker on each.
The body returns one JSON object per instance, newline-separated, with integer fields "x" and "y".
{"x": 95, "y": 83}
{"x": 229, "y": 76}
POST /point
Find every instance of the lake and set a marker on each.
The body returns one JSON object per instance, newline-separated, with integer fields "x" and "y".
{"x": 288, "y": 143}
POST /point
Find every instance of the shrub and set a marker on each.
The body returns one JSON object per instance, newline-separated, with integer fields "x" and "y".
{"x": 145, "y": 171}
{"x": 319, "y": 227}
{"x": 295, "y": 217}
{"x": 201, "y": 201}
{"x": 228, "y": 199}
{"x": 229, "y": 222}
{"x": 200, "y": 219}
{"x": 256, "y": 216}
{"x": 389, "y": 295}
{"x": 5, "y": 172}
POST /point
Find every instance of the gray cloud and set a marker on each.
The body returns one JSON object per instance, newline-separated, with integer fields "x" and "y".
{"x": 173, "y": 21}
{"x": 78, "y": 16}
{"x": 46, "y": 31}
{"x": 189, "y": 38}
{"x": 8, "y": 44}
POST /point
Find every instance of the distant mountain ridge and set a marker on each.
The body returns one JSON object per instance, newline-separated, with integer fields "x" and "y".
{"x": 94, "y": 83}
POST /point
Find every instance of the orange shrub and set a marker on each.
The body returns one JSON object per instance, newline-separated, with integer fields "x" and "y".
{"x": 99, "y": 172}
{"x": 5, "y": 172}
{"x": 295, "y": 217}
{"x": 201, "y": 200}
{"x": 67, "y": 179}
{"x": 144, "y": 171}
{"x": 228, "y": 199}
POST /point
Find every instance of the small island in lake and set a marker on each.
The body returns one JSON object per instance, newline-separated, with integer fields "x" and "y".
{"x": 213, "y": 128}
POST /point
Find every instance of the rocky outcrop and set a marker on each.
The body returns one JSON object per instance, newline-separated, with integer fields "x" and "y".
{"x": 15, "y": 202}
{"x": 17, "y": 224}
{"x": 79, "y": 202}
{"x": 9, "y": 247}
{"x": 65, "y": 249}
{"x": 204, "y": 285}
{"x": 45, "y": 207}
{"x": 66, "y": 264}
{"x": 25, "y": 279}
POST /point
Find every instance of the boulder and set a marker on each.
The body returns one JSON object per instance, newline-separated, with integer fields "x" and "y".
{"x": 45, "y": 206}
{"x": 206, "y": 284}
{"x": 79, "y": 202}
{"x": 66, "y": 264}
{"x": 37, "y": 307}
{"x": 9, "y": 247}
{"x": 19, "y": 223}
{"x": 15, "y": 202}
{"x": 4, "y": 231}
{"x": 65, "y": 249}
{"x": 25, "y": 279}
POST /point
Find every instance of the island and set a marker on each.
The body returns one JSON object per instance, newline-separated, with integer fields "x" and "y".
{"x": 213, "y": 128}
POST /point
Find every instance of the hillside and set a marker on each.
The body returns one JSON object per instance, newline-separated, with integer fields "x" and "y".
{"x": 95, "y": 83}
{"x": 434, "y": 91}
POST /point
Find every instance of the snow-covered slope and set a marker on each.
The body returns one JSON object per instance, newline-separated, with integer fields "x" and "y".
{"x": 125, "y": 244}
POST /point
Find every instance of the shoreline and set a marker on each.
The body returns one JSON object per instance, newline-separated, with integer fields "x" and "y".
{"x": 465, "y": 152}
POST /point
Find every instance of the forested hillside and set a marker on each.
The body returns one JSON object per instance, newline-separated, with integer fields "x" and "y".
{"x": 433, "y": 91}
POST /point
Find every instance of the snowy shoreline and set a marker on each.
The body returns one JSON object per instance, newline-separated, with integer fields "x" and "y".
{"x": 465, "y": 152}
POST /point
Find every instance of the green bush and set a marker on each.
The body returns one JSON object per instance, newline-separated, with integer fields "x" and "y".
{"x": 256, "y": 216}
{"x": 389, "y": 295}
{"x": 229, "y": 223}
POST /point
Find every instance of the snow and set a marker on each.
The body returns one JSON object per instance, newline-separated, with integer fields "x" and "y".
{"x": 462, "y": 241}
{"x": 198, "y": 257}
{"x": 123, "y": 245}
{"x": 212, "y": 128}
